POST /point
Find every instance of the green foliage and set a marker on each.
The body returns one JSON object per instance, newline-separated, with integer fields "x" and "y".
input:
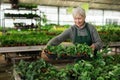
{"x": 79, "y": 49}
{"x": 36, "y": 70}
{"x": 95, "y": 69}
{"x": 24, "y": 38}
{"x": 110, "y": 33}
{"x": 27, "y": 6}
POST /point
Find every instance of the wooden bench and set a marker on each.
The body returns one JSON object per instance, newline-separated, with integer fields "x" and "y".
{"x": 20, "y": 49}
{"x": 10, "y": 52}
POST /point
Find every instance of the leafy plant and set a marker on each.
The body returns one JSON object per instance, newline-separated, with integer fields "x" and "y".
{"x": 102, "y": 68}
{"x": 76, "y": 50}
{"x": 36, "y": 70}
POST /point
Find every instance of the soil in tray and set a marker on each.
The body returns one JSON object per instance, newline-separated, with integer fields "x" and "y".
{"x": 66, "y": 57}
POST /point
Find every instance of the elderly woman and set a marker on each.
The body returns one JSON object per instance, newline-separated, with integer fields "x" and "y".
{"x": 81, "y": 32}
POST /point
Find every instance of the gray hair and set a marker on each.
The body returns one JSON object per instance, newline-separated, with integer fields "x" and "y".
{"x": 79, "y": 11}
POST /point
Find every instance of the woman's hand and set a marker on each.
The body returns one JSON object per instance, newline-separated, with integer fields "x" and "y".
{"x": 93, "y": 47}
{"x": 44, "y": 56}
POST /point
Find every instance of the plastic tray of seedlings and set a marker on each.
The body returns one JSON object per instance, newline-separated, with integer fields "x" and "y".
{"x": 64, "y": 58}
{"x": 70, "y": 53}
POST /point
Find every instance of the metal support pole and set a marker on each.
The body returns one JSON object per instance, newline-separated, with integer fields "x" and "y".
{"x": 58, "y": 15}
{"x": 103, "y": 22}
{"x": 0, "y": 13}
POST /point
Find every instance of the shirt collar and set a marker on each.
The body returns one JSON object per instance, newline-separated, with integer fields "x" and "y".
{"x": 81, "y": 26}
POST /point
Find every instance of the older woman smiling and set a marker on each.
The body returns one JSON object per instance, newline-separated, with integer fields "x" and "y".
{"x": 79, "y": 33}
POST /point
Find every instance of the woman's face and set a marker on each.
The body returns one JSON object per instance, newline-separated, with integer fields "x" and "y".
{"x": 79, "y": 20}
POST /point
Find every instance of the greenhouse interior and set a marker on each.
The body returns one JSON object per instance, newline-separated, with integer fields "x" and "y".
{"x": 59, "y": 39}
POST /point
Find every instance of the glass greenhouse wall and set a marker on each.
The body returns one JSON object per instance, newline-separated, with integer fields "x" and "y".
{"x": 97, "y": 17}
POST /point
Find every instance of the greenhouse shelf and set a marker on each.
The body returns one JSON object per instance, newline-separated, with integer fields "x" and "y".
{"x": 115, "y": 45}
{"x": 20, "y": 49}
{"x": 21, "y": 52}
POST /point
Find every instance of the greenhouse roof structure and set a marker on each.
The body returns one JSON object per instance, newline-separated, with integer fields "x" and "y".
{"x": 93, "y": 4}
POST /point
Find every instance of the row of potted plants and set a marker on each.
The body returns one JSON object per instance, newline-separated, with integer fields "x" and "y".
{"x": 27, "y": 6}
{"x": 16, "y": 5}
{"x": 44, "y": 37}
{"x": 29, "y": 15}
{"x": 109, "y": 34}
{"x": 22, "y": 39}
